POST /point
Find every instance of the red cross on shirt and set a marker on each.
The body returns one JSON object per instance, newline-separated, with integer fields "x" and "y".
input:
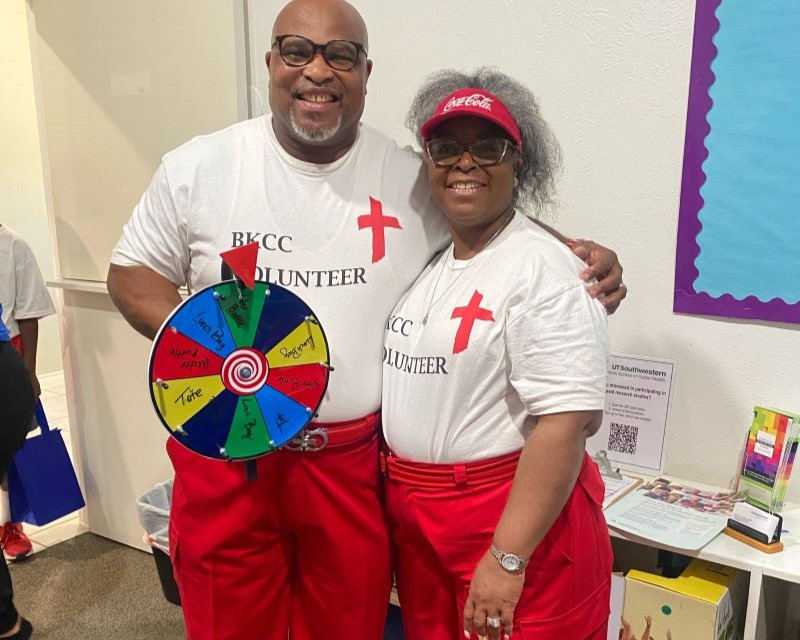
{"x": 378, "y": 222}
{"x": 469, "y": 315}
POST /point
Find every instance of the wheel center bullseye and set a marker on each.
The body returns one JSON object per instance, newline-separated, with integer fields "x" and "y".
{"x": 245, "y": 371}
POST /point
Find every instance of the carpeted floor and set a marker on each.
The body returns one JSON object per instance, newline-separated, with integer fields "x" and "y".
{"x": 89, "y": 588}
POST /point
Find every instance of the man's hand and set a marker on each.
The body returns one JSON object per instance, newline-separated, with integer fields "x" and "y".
{"x": 603, "y": 264}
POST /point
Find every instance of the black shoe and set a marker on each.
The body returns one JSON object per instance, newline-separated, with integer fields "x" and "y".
{"x": 25, "y": 631}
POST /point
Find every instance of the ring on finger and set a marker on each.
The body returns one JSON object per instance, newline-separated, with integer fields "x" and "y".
{"x": 494, "y": 623}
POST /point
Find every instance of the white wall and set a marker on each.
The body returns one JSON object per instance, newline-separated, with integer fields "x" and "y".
{"x": 121, "y": 84}
{"x": 22, "y": 203}
{"x": 612, "y": 78}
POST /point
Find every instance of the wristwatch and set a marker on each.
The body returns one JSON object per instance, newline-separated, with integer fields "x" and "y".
{"x": 510, "y": 562}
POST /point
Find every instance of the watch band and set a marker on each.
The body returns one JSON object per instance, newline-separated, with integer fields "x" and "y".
{"x": 509, "y": 562}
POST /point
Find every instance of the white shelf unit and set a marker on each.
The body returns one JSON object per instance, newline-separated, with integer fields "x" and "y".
{"x": 774, "y": 578}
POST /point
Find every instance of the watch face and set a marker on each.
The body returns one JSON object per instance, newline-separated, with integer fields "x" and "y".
{"x": 510, "y": 562}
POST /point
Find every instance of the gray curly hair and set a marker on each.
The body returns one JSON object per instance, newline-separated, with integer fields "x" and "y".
{"x": 540, "y": 154}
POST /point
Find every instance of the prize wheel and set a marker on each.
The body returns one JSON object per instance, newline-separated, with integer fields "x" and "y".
{"x": 235, "y": 373}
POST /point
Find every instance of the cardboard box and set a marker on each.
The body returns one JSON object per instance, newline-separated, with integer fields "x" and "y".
{"x": 706, "y": 602}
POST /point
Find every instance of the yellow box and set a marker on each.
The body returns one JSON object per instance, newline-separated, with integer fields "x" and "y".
{"x": 706, "y": 602}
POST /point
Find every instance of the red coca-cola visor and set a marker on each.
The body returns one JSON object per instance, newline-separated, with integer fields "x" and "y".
{"x": 473, "y": 102}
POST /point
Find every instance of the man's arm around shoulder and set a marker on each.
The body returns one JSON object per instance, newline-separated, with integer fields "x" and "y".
{"x": 144, "y": 298}
{"x": 602, "y": 264}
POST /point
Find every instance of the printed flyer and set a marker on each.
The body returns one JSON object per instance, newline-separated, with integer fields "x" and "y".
{"x": 638, "y": 394}
{"x": 673, "y": 514}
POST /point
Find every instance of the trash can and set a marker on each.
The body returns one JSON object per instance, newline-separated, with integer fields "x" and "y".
{"x": 153, "y": 509}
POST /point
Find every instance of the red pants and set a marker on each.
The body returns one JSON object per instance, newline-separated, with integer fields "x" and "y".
{"x": 300, "y": 552}
{"x": 441, "y": 532}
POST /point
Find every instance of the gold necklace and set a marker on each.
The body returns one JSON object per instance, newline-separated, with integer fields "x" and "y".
{"x": 451, "y": 250}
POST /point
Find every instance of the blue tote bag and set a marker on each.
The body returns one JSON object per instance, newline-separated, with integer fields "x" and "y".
{"x": 42, "y": 485}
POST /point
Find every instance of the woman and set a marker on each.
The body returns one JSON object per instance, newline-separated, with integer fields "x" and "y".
{"x": 492, "y": 384}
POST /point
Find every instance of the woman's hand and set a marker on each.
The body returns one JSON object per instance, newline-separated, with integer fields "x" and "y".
{"x": 493, "y": 594}
{"x": 604, "y": 265}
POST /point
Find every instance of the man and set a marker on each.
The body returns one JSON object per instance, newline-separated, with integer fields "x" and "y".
{"x": 344, "y": 218}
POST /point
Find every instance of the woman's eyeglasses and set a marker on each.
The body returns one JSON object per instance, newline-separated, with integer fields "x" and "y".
{"x": 297, "y": 51}
{"x": 485, "y": 153}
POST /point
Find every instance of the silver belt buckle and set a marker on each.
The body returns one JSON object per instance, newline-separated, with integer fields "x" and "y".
{"x": 308, "y": 440}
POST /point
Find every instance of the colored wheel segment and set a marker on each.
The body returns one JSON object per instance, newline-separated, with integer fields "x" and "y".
{"x": 181, "y": 357}
{"x": 300, "y": 382}
{"x": 304, "y": 345}
{"x": 281, "y": 414}
{"x": 237, "y": 373}
{"x": 242, "y": 309}
{"x": 207, "y": 432}
{"x": 282, "y": 313}
{"x": 248, "y": 435}
{"x": 179, "y": 400}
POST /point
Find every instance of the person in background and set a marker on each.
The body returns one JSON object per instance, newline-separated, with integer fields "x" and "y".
{"x": 25, "y": 301}
{"x": 492, "y": 387}
{"x": 17, "y": 402}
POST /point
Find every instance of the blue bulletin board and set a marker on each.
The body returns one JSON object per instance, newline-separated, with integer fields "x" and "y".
{"x": 739, "y": 223}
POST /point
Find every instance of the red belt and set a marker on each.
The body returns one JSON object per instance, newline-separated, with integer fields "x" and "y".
{"x": 436, "y": 476}
{"x": 319, "y": 435}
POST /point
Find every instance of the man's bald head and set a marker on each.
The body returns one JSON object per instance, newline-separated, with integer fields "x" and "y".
{"x": 322, "y": 11}
{"x": 316, "y": 108}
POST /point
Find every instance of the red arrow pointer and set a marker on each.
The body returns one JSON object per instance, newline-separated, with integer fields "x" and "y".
{"x": 242, "y": 261}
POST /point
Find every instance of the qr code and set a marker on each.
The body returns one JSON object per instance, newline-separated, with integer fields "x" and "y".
{"x": 623, "y": 438}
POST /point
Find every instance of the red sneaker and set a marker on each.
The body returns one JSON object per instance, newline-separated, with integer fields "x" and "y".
{"x": 15, "y": 544}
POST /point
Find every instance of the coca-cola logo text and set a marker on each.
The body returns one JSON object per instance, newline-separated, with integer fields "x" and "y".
{"x": 475, "y": 100}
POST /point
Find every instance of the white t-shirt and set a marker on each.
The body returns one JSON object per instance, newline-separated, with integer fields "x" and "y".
{"x": 23, "y": 292}
{"x": 348, "y": 237}
{"x": 511, "y": 334}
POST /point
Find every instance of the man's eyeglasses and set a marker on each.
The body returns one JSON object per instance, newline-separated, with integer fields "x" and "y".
{"x": 297, "y": 51}
{"x": 485, "y": 153}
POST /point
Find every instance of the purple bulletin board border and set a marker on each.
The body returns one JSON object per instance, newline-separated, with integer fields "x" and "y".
{"x": 686, "y": 299}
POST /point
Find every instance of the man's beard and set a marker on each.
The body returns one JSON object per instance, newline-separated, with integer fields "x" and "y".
{"x": 314, "y": 133}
